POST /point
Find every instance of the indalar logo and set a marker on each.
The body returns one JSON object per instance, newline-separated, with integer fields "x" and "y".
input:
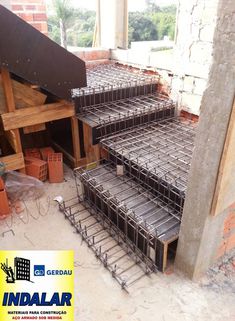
{"x": 20, "y": 270}
{"x": 51, "y": 294}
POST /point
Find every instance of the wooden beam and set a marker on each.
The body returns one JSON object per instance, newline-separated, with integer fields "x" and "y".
{"x": 24, "y": 96}
{"x": 76, "y": 139}
{"x": 10, "y": 106}
{"x": 8, "y": 91}
{"x": 12, "y": 139}
{"x": 92, "y": 151}
{"x": 13, "y": 162}
{"x": 224, "y": 195}
{"x": 34, "y": 128}
{"x": 37, "y": 115}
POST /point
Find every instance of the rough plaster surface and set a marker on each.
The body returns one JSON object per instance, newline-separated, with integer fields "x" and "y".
{"x": 97, "y": 296}
{"x": 201, "y": 233}
{"x": 193, "y": 52}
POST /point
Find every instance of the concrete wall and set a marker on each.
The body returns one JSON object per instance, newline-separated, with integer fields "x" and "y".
{"x": 33, "y": 12}
{"x": 204, "y": 236}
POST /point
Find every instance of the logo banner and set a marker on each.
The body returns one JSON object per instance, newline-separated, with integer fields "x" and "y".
{"x": 37, "y": 285}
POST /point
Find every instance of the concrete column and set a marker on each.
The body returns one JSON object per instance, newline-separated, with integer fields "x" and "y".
{"x": 113, "y": 22}
{"x": 201, "y": 233}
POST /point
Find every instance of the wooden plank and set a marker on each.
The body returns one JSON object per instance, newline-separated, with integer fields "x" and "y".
{"x": 34, "y": 128}
{"x": 13, "y": 162}
{"x": 8, "y": 91}
{"x": 76, "y": 139}
{"x": 92, "y": 151}
{"x": 3, "y": 108}
{"x": 37, "y": 115}
{"x": 24, "y": 96}
{"x": 224, "y": 194}
{"x": 11, "y": 137}
{"x": 10, "y": 107}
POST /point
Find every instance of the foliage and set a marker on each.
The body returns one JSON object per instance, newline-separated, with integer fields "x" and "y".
{"x": 64, "y": 11}
{"x": 152, "y": 24}
{"x": 141, "y": 27}
{"x": 79, "y": 31}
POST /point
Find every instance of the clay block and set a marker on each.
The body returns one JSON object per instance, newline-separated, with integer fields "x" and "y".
{"x": 36, "y": 168}
{"x": 4, "y": 204}
{"x": 55, "y": 168}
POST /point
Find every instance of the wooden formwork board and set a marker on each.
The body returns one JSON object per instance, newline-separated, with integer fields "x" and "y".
{"x": 23, "y": 107}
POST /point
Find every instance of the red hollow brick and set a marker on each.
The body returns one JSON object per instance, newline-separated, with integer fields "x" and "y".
{"x": 4, "y": 204}
{"x": 41, "y": 8}
{"x": 2, "y": 185}
{"x": 17, "y": 7}
{"x": 30, "y": 7}
{"x": 36, "y": 168}
{"x": 28, "y": 17}
{"x": 32, "y": 152}
{"x": 39, "y": 17}
{"x": 45, "y": 152}
{"x": 55, "y": 168}
{"x": 37, "y": 25}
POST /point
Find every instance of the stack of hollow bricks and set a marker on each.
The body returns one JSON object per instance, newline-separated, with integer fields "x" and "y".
{"x": 44, "y": 163}
{"x": 33, "y": 12}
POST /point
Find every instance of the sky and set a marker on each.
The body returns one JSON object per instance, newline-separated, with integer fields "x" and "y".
{"x": 134, "y": 5}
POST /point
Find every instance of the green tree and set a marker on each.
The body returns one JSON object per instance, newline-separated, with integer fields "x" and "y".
{"x": 64, "y": 15}
{"x": 141, "y": 27}
{"x": 151, "y": 6}
{"x": 80, "y": 28}
{"x": 165, "y": 24}
{"x": 152, "y": 24}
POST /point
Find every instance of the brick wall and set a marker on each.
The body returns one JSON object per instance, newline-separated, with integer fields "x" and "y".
{"x": 32, "y": 11}
{"x": 228, "y": 232}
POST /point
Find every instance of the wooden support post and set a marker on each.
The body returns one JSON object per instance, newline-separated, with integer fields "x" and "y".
{"x": 92, "y": 151}
{"x": 76, "y": 140}
{"x": 10, "y": 104}
{"x": 8, "y": 91}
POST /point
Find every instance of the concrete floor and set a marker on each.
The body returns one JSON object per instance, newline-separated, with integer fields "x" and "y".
{"x": 163, "y": 297}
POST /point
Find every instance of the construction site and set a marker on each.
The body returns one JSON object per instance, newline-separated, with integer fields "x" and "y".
{"x": 129, "y": 163}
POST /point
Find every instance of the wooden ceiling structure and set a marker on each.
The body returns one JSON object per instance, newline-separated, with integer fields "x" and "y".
{"x": 36, "y": 77}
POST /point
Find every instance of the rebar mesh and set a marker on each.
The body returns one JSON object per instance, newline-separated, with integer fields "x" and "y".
{"x": 108, "y": 244}
{"x": 113, "y": 82}
{"x": 142, "y": 217}
{"x": 115, "y": 75}
{"x": 158, "y": 154}
{"x": 111, "y": 117}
